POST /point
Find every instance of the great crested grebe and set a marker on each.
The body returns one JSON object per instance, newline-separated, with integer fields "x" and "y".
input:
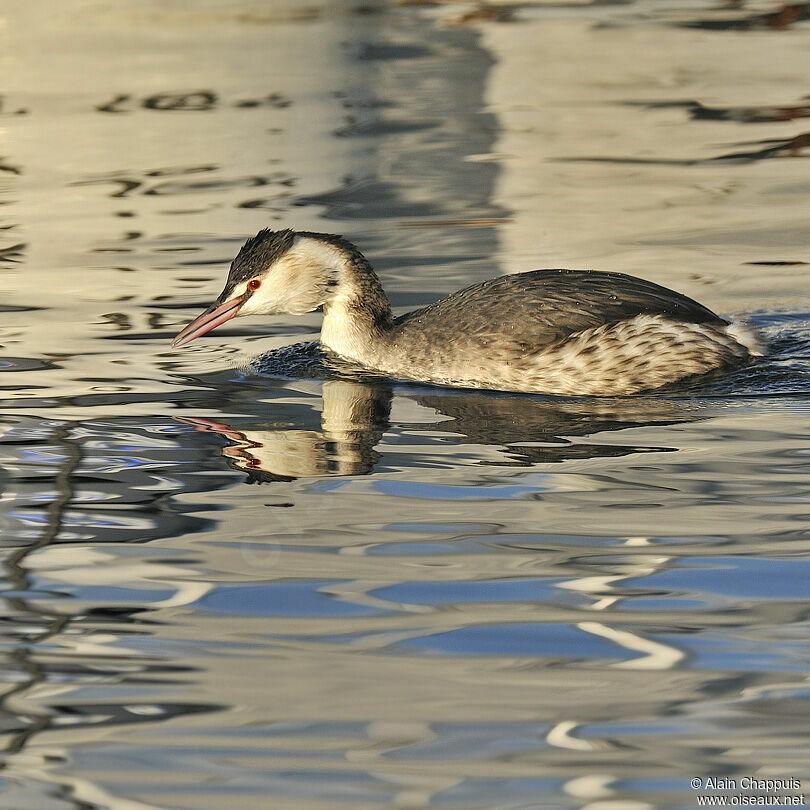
{"x": 566, "y": 332}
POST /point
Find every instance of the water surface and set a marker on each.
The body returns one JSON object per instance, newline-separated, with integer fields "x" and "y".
{"x": 233, "y": 577}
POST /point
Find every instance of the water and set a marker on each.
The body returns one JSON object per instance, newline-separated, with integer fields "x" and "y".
{"x": 240, "y": 583}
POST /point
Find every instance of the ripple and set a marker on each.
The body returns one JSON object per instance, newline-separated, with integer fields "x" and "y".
{"x": 25, "y": 363}
{"x": 425, "y": 596}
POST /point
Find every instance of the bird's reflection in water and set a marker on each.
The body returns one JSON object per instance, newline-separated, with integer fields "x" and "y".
{"x": 536, "y": 430}
{"x": 355, "y": 415}
{"x": 353, "y": 420}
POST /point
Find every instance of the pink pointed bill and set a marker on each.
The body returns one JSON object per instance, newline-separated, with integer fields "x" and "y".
{"x": 213, "y": 317}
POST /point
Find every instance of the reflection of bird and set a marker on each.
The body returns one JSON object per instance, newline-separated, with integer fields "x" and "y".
{"x": 353, "y": 420}
{"x": 546, "y": 331}
{"x": 355, "y": 416}
{"x": 538, "y": 430}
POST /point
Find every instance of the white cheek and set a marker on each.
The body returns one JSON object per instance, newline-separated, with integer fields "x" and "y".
{"x": 253, "y": 305}
{"x": 264, "y": 301}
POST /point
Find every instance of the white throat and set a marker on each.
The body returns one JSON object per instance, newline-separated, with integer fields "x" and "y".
{"x": 338, "y": 330}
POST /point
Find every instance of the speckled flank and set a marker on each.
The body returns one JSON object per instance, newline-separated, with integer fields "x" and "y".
{"x": 560, "y": 332}
{"x": 633, "y": 355}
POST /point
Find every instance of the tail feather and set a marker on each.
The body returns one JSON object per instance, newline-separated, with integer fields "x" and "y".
{"x": 746, "y": 335}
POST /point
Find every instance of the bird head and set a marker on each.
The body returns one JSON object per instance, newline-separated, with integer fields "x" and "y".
{"x": 275, "y": 272}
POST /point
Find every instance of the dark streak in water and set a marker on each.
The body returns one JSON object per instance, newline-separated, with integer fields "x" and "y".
{"x": 781, "y": 147}
{"x": 18, "y": 308}
{"x": 196, "y": 101}
{"x": 13, "y": 253}
{"x": 778, "y": 20}
{"x": 170, "y": 188}
{"x": 743, "y": 115}
{"x": 7, "y": 167}
{"x": 125, "y": 185}
{"x": 374, "y": 129}
{"x": 112, "y": 106}
{"x": 18, "y": 111}
{"x": 25, "y": 364}
{"x": 778, "y": 148}
{"x": 777, "y": 263}
{"x": 174, "y": 171}
{"x": 276, "y": 101}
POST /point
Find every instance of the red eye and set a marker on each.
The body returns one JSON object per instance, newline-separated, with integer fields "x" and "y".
{"x": 254, "y": 284}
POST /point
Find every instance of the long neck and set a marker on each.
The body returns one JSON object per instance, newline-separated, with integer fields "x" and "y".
{"x": 357, "y": 316}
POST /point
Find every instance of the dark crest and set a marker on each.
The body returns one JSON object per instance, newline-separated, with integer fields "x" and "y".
{"x": 258, "y": 253}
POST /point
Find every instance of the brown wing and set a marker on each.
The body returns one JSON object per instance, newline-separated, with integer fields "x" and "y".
{"x": 532, "y": 310}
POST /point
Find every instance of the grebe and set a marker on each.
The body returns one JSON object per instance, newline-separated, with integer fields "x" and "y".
{"x": 567, "y": 332}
